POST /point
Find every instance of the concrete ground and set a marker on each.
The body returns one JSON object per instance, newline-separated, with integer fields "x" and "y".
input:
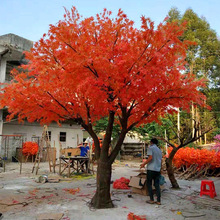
{"x": 22, "y": 198}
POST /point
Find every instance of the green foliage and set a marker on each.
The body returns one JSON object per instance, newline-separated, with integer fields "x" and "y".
{"x": 204, "y": 57}
{"x": 213, "y": 100}
{"x": 148, "y": 131}
{"x": 101, "y": 125}
{"x": 215, "y": 132}
{"x": 144, "y": 132}
{"x": 174, "y": 15}
{"x": 192, "y": 145}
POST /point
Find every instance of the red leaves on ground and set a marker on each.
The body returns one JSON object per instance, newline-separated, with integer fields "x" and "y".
{"x": 132, "y": 216}
{"x": 121, "y": 183}
{"x": 30, "y": 148}
{"x": 15, "y": 201}
{"x": 72, "y": 191}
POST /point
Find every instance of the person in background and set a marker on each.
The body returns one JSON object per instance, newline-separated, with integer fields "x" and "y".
{"x": 84, "y": 152}
{"x": 84, "y": 149}
{"x": 153, "y": 170}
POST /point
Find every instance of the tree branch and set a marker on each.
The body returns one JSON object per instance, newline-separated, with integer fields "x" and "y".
{"x": 95, "y": 138}
{"x": 138, "y": 58}
{"x": 195, "y": 138}
{"x": 172, "y": 128}
{"x": 108, "y": 134}
{"x": 58, "y": 62}
{"x": 92, "y": 70}
{"x": 118, "y": 145}
{"x": 57, "y": 101}
{"x": 71, "y": 47}
{"x": 162, "y": 138}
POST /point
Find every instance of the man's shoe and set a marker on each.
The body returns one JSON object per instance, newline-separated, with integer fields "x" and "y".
{"x": 150, "y": 202}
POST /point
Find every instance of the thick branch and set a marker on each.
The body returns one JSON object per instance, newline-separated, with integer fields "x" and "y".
{"x": 107, "y": 139}
{"x": 131, "y": 107}
{"x": 88, "y": 115}
{"x": 92, "y": 133}
{"x": 118, "y": 146}
{"x": 95, "y": 138}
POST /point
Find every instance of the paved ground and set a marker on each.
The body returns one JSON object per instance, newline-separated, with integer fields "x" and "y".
{"x": 22, "y": 198}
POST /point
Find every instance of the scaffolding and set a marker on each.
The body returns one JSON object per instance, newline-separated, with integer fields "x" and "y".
{"x": 8, "y": 146}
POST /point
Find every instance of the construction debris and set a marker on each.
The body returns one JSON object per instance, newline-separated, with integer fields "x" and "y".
{"x": 195, "y": 172}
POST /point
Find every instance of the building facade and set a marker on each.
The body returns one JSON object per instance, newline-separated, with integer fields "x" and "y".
{"x": 68, "y": 135}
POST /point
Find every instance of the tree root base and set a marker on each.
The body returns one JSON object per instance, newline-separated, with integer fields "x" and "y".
{"x": 101, "y": 205}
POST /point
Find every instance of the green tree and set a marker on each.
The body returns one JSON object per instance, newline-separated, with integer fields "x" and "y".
{"x": 213, "y": 100}
{"x": 101, "y": 125}
{"x": 204, "y": 56}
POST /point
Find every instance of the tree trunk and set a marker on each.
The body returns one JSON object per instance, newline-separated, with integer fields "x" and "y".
{"x": 170, "y": 172}
{"x": 102, "y": 198}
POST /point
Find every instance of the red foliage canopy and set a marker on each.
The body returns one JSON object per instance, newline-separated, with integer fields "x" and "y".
{"x": 30, "y": 148}
{"x": 189, "y": 156}
{"x": 85, "y": 68}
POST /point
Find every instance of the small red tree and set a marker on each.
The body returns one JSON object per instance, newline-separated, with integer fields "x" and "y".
{"x": 29, "y": 148}
{"x": 86, "y": 69}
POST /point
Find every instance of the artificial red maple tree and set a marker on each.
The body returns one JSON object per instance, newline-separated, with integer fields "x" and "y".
{"x": 29, "y": 148}
{"x": 86, "y": 69}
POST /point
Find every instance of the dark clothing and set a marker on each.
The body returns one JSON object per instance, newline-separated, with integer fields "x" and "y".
{"x": 82, "y": 163}
{"x": 153, "y": 175}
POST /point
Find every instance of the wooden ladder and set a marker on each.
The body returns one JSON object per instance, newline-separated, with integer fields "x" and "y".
{"x": 43, "y": 141}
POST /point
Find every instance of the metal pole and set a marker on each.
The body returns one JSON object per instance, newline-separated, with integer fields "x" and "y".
{"x": 165, "y": 134}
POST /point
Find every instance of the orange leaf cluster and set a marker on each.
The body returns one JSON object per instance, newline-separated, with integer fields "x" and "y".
{"x": 189, "y": 156}
{"x": 30, "y": 148}
{"x": 132, "y": 216}
{"x": 121, "y": 183}
{"x": 72, "y": 191}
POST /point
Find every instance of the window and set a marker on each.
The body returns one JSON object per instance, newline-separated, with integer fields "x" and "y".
{"x": 49, "y": 135}
{"x": 9, "y": 67}
{"x": 62, "y": 136}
